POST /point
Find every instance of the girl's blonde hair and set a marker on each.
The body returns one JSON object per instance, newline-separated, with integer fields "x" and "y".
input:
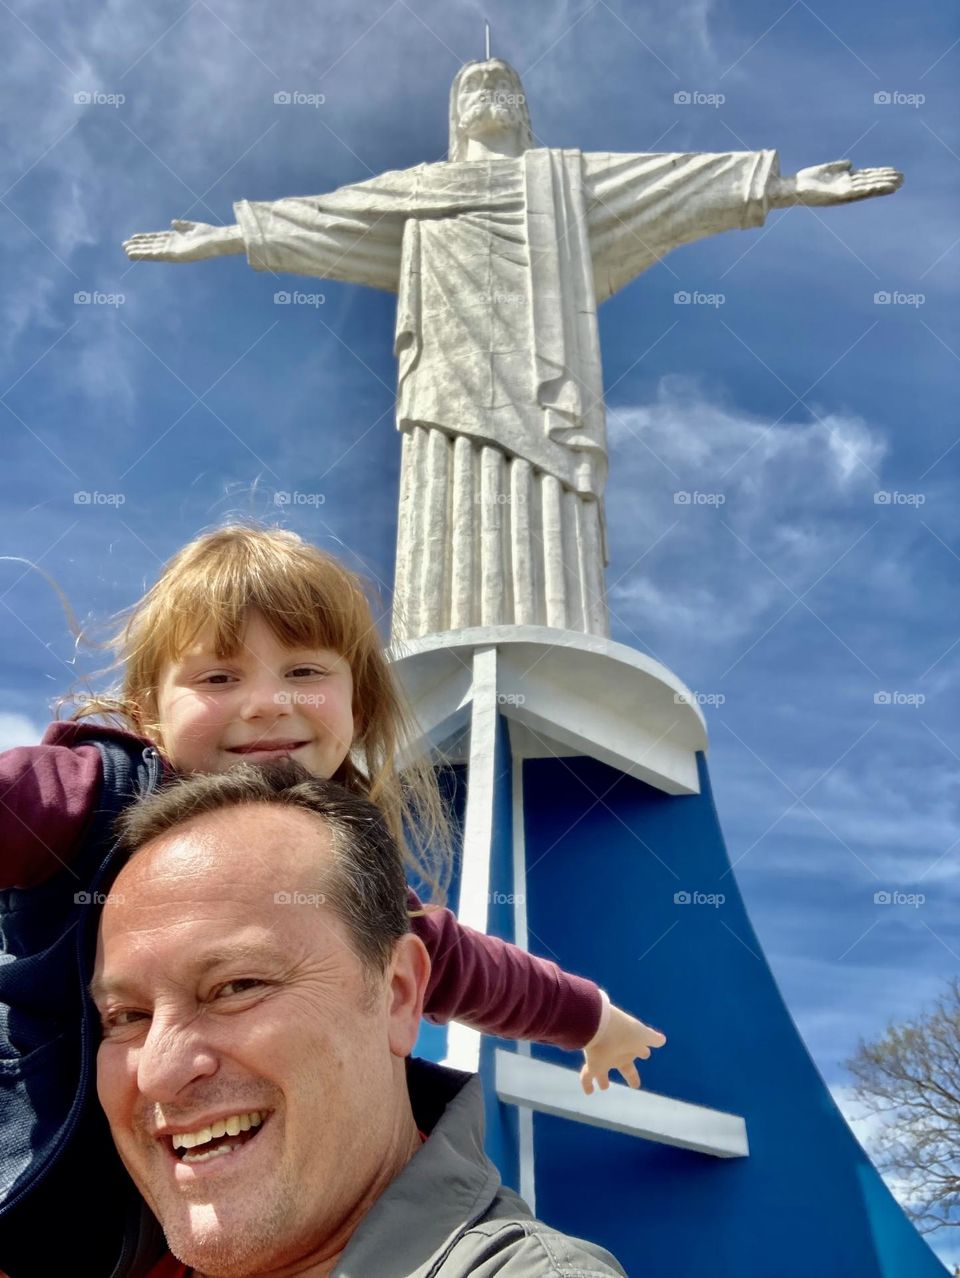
{"x": 309, "y": 600}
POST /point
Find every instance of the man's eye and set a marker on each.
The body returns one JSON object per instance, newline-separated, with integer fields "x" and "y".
{"x": 241, "y": 986}
{"x": 122, "y": 1018}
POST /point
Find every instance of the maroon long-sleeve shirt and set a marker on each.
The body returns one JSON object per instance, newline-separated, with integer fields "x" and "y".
{"x": 47, "y": 796}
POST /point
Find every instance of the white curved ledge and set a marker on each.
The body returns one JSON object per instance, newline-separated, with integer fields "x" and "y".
{"x": 569, "y": 692}
{"x": 551, "y": 1089}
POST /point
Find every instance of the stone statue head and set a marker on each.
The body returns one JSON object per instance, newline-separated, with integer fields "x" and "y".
{"x": 487, "y": 99}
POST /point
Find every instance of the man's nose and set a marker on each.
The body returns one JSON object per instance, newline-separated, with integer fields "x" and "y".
{"x": 171, "y": 1058}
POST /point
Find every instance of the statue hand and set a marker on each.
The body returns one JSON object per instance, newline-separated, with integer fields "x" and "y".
{"x": 186, "y": 242}
{"x": 839, "y": 183}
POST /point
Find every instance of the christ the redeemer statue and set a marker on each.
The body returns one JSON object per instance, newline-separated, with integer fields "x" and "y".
{"x": 499, "y": 257}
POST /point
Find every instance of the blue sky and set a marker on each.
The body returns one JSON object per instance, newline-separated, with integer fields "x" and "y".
{"x": 798, "y": 599}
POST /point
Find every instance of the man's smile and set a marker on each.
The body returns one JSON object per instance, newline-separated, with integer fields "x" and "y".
{"x": 217, "y": 1146}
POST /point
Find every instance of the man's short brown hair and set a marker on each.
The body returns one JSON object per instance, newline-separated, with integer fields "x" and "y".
{"x": 367, "y": 889}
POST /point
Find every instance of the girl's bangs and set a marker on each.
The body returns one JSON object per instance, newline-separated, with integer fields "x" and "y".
{"x": 320, "y": 612}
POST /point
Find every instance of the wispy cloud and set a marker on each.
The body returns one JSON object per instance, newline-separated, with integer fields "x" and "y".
{"x": 18, "y": 730}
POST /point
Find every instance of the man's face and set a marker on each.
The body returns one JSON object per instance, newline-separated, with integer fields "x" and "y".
{"x": 230, "y": 995}
{"x": 488, "y": 101}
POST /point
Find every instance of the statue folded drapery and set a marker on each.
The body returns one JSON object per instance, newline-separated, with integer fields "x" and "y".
{"x": 499, "y": 265}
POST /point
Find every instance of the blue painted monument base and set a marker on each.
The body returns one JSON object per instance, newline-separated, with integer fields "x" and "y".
{"x": 632, "y": 886}
{"x": 602, "y": 899}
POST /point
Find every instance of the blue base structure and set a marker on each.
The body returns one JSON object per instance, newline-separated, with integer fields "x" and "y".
{"x": 633, "y": 887}
{"x": 807, "y": 1201}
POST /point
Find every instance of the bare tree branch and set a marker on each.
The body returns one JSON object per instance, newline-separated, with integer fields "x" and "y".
{"x": 911, "y": 1079}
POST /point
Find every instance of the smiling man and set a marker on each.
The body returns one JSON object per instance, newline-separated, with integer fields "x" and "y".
{"x": 260, "y": 993}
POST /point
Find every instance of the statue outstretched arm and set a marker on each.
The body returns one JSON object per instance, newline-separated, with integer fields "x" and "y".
{"x": 354, "y": 234}
{"x": 185, "y": 242}
{"x": 642, "y": 206}
{"x": 834, "y": 183}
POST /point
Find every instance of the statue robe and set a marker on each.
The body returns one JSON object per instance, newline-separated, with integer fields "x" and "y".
{"x": 499, "y": 266}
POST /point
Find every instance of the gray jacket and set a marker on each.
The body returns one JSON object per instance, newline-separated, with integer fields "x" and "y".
{"x": 447, "y": 1215}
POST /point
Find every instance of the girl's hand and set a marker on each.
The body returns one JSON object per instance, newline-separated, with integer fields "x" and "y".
{"x": 617, "y": 1046}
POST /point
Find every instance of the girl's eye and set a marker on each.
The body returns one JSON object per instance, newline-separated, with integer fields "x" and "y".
{"x": 219, "y": 678}
{"x": 307, "y": 671}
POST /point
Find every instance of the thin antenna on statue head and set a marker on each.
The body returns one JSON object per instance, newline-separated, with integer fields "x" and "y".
{"x": 486, "y": 35}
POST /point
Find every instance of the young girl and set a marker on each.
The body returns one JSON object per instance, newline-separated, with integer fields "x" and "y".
{"x": 252, "y": 645}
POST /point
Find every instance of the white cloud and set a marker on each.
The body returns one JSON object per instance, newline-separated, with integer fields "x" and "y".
{"x": 74, "y": 221}
{"x": 18, "y": 730}
{"x": 836, "y": 1002}
{"x": 906, "y": 821}
{"x": 746, "y": 510}
{"x": 685, "y": 610}
{"x": 696, "y": 436}
{"x": 29, "y": 303}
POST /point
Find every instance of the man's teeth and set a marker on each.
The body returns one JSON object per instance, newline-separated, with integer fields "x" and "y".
{"x": 207, "y": 1154}
{"x": 231, "y": 1126}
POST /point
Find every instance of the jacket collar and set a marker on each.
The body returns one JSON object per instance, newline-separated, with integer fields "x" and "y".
{"x": 447, "y": 1185}
{"x": 71, "y": 732}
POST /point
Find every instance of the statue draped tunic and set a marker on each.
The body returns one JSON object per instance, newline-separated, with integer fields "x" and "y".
{"x": 499, "y": 266}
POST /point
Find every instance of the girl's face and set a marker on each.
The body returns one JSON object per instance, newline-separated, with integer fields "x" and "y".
{"x": 266, "y": 702}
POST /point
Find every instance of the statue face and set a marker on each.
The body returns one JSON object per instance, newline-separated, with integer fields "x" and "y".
{"x": 489, "y": 101}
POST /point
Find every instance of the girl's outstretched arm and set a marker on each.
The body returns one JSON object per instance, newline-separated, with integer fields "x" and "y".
{"x": 495, "y": 987}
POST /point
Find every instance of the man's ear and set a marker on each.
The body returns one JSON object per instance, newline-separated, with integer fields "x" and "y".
{"x": 407, "y": 986}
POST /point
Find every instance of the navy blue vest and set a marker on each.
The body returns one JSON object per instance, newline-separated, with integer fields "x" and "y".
{"x": 66, "y": 1203}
